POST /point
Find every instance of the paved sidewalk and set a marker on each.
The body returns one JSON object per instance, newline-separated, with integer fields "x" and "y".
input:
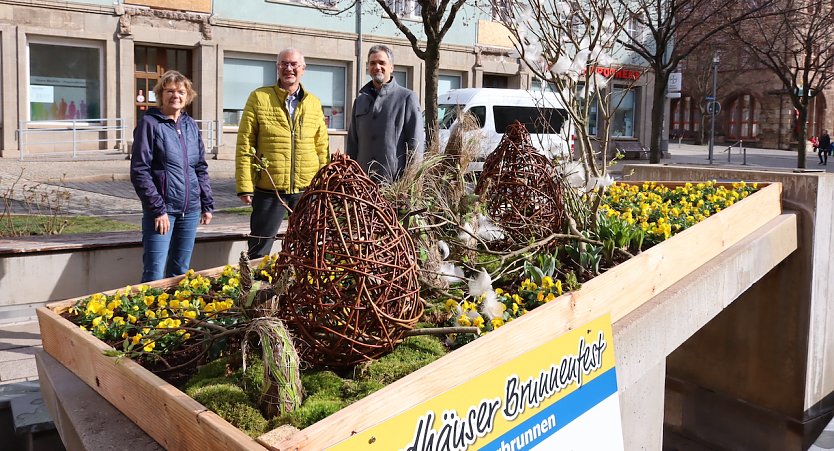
{"x": 99, "y": 187}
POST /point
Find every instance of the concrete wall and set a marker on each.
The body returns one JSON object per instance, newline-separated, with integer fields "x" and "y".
{"x": 30, "y": 279}
{"x": 759, "y": 376}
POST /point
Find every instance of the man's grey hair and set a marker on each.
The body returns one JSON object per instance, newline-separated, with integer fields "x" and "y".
{"x": 290, "y": 50}
{"x": 382, "y": 48}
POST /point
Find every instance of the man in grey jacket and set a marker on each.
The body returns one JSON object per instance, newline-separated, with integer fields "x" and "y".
{"x": 386, "y": 127}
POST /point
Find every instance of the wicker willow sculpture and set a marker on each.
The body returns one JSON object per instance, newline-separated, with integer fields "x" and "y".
{"x": 355, "y": 289}
{"x": 520, "y": 188}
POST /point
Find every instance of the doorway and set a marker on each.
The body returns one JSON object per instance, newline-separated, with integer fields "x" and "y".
{"x": 150, "y": 63}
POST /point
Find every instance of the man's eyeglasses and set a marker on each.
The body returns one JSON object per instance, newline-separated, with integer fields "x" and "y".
{"x": 289, "y": 64}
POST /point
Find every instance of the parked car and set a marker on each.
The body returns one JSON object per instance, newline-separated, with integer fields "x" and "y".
{"x": 542, "y": 113}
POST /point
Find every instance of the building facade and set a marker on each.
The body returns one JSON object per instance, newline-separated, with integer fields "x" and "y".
{"x": 755, "y": 108}
{"x": 88, "y": 67}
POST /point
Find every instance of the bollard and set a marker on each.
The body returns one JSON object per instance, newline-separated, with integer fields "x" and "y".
{"x": 744, "y": 156}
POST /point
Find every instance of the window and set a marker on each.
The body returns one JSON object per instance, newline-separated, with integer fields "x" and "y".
{"x": 401, "y": 76}
{"x": 64, "y": 82}
{"x": 592, "y": 124}
{"x": 406, "y": 9}
{"x": 622, "y": 121}
{"x": 448, "y": 114}
{"x": 240, "y": 78}
{"x": 328, "y": 84}
{"x": 536, "y": 120}
{"x": 447, "y": 82}
{"x": 743, "y": 113}
{"x": 634, "y": 28}
{"x": 539, "y": 85}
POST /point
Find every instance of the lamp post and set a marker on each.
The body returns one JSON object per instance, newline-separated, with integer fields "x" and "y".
{"x": 711, "y": 107}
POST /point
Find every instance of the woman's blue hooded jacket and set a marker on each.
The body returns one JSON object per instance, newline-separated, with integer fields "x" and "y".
{"x": 168, "y": 165}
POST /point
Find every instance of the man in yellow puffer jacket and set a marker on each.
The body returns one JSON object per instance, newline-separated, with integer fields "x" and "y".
{"x": 282, "y": 128}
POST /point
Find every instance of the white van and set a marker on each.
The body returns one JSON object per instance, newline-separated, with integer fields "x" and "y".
{"x": 543, "y": 114}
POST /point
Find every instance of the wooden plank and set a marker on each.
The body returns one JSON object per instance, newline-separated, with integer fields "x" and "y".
{"x": 618, "y": 291}
{"x": 171, "y": 417}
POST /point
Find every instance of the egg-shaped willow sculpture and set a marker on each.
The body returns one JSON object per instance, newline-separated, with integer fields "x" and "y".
{"x": 353, "y": 290}
{"x": 520, "y": 188}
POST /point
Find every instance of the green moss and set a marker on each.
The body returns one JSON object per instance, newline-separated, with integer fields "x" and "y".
{"x": 252, "y": 379}
{"x": 322, "y": 383}
{"x": 244, "y": 417}
{"x": 195, "y": 386}
{"x": 232, "y": 404}
{"x": 233, "y": 394}
{"x": 414, "y": 353}
{"x": 219, "y": 368}
{"x": 315, "y": 408}
{"x": 210, "y": 394}
{"x": 353, "y": 391}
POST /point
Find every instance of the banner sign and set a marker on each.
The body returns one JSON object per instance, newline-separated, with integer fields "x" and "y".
{"x": 561, "y": 395}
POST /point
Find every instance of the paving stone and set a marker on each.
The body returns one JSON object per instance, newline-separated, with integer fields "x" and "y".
{"x": 21, "y": 334}
{"x": 19, "y": 369}
{"x": 18, "y": 353}
{"x": 30, "y": 414}
{"x": 13, "y": 390}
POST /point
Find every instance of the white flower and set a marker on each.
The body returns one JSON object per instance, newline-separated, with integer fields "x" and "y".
{"x": 604, "y": 181}
{"x": 491, "y": 307}
{"x": 561, "y": 65}
{"x": 451, "y": 273}
{"x": 488, "y": 230}
{"x": 443, "y": 248}
{"x": 480, "y": 285}
{"x": 466, "y": 235}
{"x": 580, "y": 61}
{"x": 575, "y": 173}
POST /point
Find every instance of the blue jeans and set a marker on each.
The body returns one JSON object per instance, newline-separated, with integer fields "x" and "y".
{"x": 170, "y": 254}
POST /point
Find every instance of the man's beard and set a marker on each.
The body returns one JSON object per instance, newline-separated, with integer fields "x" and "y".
{"x": 379, "y": 78}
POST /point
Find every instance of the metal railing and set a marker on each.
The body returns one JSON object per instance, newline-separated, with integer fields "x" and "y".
{"x": 740, "y": 145}
{"x": 73, "y": 132}
{"x": 71, "y": 135}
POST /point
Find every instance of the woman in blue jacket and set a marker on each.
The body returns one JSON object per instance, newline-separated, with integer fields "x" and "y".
{"x": 169, "y": 173}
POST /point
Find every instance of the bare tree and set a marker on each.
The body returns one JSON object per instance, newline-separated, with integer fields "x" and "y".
{"x": 438, "y": 17}
{"x": 664, "y": 32}
{"x": 571, "y": 46}
{"x": 797, "y": 45}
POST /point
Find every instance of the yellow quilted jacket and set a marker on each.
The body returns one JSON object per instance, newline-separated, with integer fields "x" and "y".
{"x": 293, "y": 152}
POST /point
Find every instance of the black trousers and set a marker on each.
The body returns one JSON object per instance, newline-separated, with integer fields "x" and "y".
{"x": 267, "y": 214}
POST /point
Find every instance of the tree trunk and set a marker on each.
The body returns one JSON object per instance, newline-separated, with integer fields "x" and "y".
{"x": 432, "y": 71}
{"x": 801, "y": 132}
{"x": 658, "y": 108}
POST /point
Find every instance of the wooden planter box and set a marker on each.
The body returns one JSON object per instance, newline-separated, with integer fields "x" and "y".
{"x": 178, "y": 422}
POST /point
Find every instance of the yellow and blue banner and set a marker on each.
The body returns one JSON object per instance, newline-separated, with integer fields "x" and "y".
{"x": 561, "y": 395}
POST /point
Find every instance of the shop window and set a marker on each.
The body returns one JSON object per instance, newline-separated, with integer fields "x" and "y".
{"x": 743, "y": 115}
{"x": 328, "y": 84}
{"x": 685, "y": 119}
{"x": 64, "y": 82}
{"x": 622, "y": 121}
{"x": 240, "y": 78}
{"x": 446, "y": 83}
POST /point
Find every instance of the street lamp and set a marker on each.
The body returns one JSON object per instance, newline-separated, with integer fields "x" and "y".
{"x": 712, "y": 105}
